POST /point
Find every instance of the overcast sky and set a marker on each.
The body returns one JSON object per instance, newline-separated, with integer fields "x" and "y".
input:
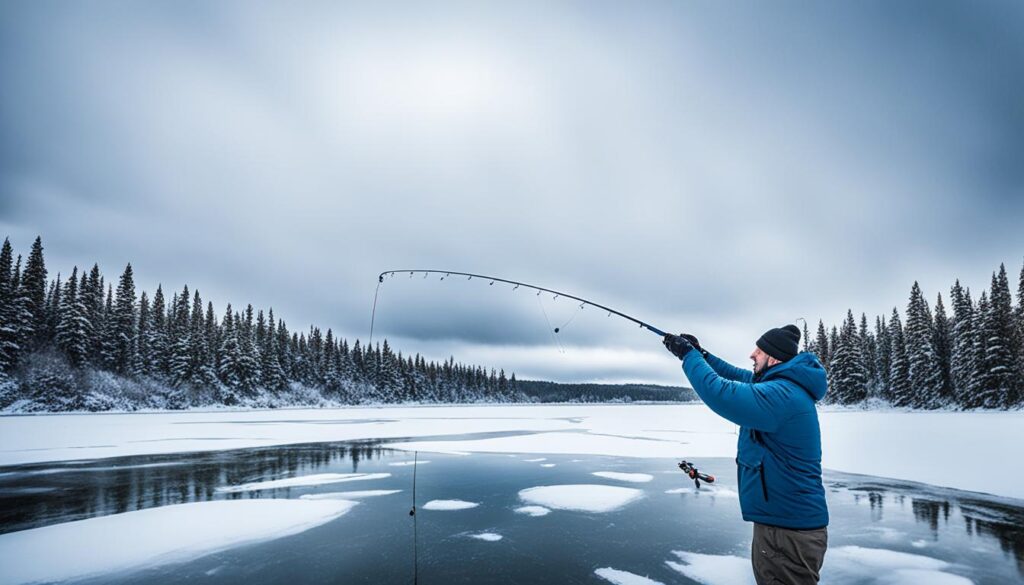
{"x": 712, "y": 167}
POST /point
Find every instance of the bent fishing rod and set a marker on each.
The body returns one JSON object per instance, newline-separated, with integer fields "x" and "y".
{"x": 517, "y": 284}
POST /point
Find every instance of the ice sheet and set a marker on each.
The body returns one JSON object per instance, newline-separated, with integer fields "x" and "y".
{"x": 145, "y": 538}
{"x": 630, "y": 477}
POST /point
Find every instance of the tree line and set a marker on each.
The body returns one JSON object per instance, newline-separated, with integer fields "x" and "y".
{"x": 971, "y": 357}
{"x": 77, "y": 343}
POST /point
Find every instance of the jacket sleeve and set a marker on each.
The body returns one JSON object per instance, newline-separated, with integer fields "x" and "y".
{"x": 729, "y": 371}
{"x": 757, "y": 406}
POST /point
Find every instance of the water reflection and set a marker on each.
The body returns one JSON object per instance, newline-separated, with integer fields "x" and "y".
{"x": 38, "y": 495}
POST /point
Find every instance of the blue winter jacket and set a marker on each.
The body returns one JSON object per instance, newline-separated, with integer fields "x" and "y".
{"x": 779, "y": 451}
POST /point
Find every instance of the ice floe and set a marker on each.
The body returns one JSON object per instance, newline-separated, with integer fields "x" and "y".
{"x": 630, "y": 477}
{"x": 624, "y": 577}
{"x": 449, "y": 505}
{"x": 533, "y": 510}
{"x": 301, "y": 481}
{"x": 145, "y": 538}
{"x": 354, "y": 495}
{"x": 487, "y": 536}
{"x": 547, "y": 464}
{"x": 537, "y": 460}
{"x": 581, "y": 497}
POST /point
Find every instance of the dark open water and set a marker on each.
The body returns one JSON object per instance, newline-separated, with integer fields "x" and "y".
{"x": 981, "y": 537}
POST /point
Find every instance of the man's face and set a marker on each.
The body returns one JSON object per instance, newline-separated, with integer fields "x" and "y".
{"x": 761, "y": 360}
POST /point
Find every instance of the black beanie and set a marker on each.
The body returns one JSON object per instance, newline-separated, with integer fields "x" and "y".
{"x": 781, "y": 343}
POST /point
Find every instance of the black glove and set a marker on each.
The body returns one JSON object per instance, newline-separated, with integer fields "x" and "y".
{"x": 696, "y": 344}
{"x": 677, "y": 344}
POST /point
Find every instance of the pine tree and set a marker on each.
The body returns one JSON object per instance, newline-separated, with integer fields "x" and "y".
{"x": 228, "y": 369}
{"x": 867, "y": 355}
{"x": 158, "y": 341}
{"x": 899, "y": 391}
{"x": 833, "y": 344}
{"x": 8, "y": 310}
{"x": 1000, "y": 341}
{"x": 821, "y": 344}
{"x": 1020, "y": 338}
{"x": 942, "y": 342}
{"x": 73, "y": 330}
{"x": 32, "y": 293}
{"x": 883, "y": 356}
{"x": 807, "y": 337}
{"x": 201, "y": 372}
{"x": 982, "y": 395}
{"x": 847, "y": 376}
{"x": 180, "y": 340}
{"x": 270, "y": 365}
{"x": 124, "y": 322}
{"x": 963, "y": 352}
{"x": 108, "y": 335}
{"x": 143, "y": 356}
{"x": 248, "y": 359}
{"x": 925, "y": 374}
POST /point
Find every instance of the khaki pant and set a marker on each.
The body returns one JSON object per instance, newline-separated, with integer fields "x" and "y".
{"x": 787, "y": 557}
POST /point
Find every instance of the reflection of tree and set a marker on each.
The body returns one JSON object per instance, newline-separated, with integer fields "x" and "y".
{"x": 113, "y": 486}
{"x": 929, "y": 511}
{"x": 1004, "y": 523}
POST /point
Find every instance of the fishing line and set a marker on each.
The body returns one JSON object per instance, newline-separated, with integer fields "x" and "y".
{"x": 412, "y": 512}
{"x": 553, "y": 338}
{"x": 493, "y": 279}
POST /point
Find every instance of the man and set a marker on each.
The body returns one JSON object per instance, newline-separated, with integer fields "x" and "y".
{"x": 779, "y": 450}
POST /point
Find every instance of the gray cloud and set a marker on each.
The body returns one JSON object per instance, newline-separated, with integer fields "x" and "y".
{"x": 721, "y": 168}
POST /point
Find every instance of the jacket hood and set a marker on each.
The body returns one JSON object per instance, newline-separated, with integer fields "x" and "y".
{"x": 804, "y": 370}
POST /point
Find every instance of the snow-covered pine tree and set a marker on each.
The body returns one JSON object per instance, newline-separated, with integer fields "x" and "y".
{"x": 108, "y": 335}
{"x": 1020, "y": 338}
{"x": 963, "y": 353}
{"x": 248, "y": 360}
{"x": 32, "y": 292}
{"x": 883, "y": 356}
{"x": 807, "y": 338}
{"x": 142, "y": 365}
{"x": 867, "y": 356}
{"x": 271, "y": 372}
{"x": 981, "y": 395}
{"x": 899, "y": 370}
{"x": 54, "y": 305}
{"x": 202, "y": 374}
{"x": 73, "y": 330}
{"x": 212, "y": 337}
{"x": 1000, "y": 341}
{"x": 92, "y": 297}
{"x": 180, "y": 340}
{"x": 158, "y": 340}
{"x": 847, "y": 376}
{"x": 124, "y": 322}
{"x": 229, "y": 356}
{"x": 821, "y": 344}
{"x": 925, "y": 375}
{"x": 942, "y": 341}
{"x": 8, "y": 312}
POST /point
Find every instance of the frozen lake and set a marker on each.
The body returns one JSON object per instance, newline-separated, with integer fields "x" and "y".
{"x": 338, "y": 513}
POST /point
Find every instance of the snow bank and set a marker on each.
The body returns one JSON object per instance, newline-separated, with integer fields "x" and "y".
{"x": 533, "y": 510}
{"x": 630, "y": 477}
{"x": 144, "y": 538}
{"x": 301, "y": 481}
{"x": 581, "y": 497}
{"x": 348, "y": 495}
{"x": 913, "y": 446}
{"x": 624, "y": 578}
{"x": 449, "y": 505}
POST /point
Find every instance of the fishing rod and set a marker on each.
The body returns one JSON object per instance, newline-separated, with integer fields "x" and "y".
{"x": 516, "y": 283}
{"x": 693, "y": 473}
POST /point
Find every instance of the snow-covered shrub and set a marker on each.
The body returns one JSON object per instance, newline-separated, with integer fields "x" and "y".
{"x": 50, "y": 383}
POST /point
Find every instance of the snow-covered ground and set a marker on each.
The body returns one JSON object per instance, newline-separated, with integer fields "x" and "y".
{"x": 964, "y": 450}
{"x": 169, "y": 534}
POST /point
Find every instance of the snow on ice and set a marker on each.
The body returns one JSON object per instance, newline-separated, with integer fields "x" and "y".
{"x": 630, "y": 477}
{"x": 486, "y": 536}
{"x": 301, "y": 481}
{"x": 623, "y": 577}
{"x": 354, "y": 495}
{"x": 844, "y": 564}
{"x": 533, "y": 510}
{"x": 581, "y": 498}
{"x": 449, "y": 505}
{"x": 128, "y": 541}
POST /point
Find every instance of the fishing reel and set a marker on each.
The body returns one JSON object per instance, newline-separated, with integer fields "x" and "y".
{"x": 691, "y": 471}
